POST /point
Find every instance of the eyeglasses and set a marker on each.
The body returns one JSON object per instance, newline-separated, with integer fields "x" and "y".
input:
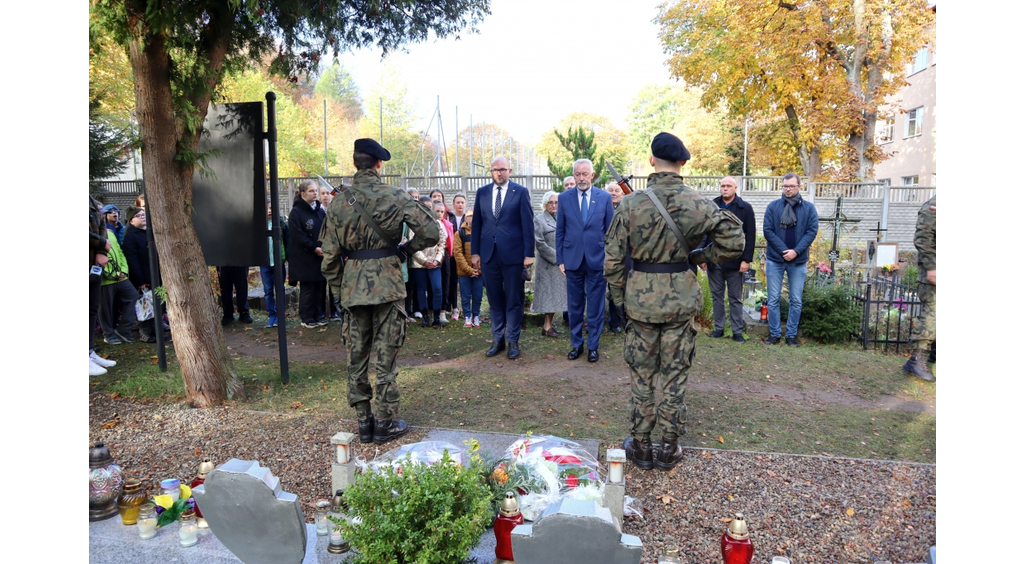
{"x": 790, "y": 185}
{"x": 500, "y": 170}
{"x": 549, "y": 203}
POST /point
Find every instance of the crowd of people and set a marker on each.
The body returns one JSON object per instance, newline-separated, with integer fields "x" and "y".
{"x": 381, "y": 258}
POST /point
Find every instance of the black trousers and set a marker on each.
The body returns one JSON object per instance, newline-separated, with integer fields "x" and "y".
{"x": 94, "y": 306}
{"x": 311, "y": 300}
{"x": 453, "y": 284}
{"x": 236, "y": 278}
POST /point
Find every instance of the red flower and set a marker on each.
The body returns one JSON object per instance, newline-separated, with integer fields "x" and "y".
{"x": 572, "y": 481}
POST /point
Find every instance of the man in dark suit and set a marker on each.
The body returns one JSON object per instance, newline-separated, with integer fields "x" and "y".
{"x": 730, "y": 273}
{"x": 585, "y": 213}
{"x": 502, "y": 243}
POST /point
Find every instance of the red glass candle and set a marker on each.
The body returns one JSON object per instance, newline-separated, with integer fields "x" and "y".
{"x": 507, "y": 519}
{"x": 736, "y": 545}
{"x": 764, "y": 312}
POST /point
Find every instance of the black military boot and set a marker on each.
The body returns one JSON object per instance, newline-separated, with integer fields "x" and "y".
{"x": 670, "y": 453}
{"x": 384, "y": 431}
{"x": 366, "y": 426}
{"x": 916, "y": 366}
{"x": 640, "y": 452}
{"x": 426, "y": 319}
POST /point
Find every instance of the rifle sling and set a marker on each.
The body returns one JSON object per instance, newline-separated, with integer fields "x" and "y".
{"x": 664, "y": 213}
{"x": 369, "y": 221}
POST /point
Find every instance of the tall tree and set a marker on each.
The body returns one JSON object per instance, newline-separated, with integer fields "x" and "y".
{"x": 674, "y": 108}
{"x": 337, "y": 84}
{"x": 609, "y": 143}
{"x": 179, "y": 50}
{"x": 391, "y": 94}
{"x": 824, "y": 66}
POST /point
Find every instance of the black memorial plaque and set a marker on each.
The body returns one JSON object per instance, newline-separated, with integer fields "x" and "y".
{"x": 229, "y": 196}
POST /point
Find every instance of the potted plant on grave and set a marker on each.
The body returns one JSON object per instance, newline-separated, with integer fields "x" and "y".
{"x": 416, "y": 511}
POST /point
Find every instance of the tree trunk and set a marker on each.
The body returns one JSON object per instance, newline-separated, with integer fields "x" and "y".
{"x": 206, "y": 368}
{"x": 810, "y": 155}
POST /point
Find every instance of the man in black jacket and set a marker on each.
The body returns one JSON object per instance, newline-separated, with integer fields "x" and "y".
{"x": 731, "y": 272}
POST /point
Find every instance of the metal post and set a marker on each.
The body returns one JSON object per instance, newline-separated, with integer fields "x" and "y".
{"x": 275, "y": 233}
{"x": 886, "y": 195}
{"x": 326, "y": 173}
{"x": 154, "y": 277}
{"x": 867, "y": 314}
{"x": 457, "y": 170}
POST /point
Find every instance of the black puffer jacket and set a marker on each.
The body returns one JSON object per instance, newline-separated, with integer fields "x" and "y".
{"x": 136, "y": 252}
{"x": 303, "y": 237}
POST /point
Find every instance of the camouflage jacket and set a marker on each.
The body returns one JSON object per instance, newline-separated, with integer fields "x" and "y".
{"x": 924, "y": 240}
{"x": 371, "y": 281}
{"x": 639, "y": 229}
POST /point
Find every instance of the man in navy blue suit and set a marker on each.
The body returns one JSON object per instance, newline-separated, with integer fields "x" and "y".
{"x": 584, "y": 215}
{"x": 502, "y": 242}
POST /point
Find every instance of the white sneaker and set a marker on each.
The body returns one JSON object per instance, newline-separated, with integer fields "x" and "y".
{"x": 95, "y": 369}
{"x": 443, "y": 320}
{"x": 102, "y": 362}
{"x": 418, "y": 315}
{"x": 455, "y": 314}
{"x": 476, "y": 321}
{"x": 469, "y": 323}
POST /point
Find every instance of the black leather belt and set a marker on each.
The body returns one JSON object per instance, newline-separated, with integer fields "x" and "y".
{"x": 371, "y": 254}
{"x": 661, "y": 268}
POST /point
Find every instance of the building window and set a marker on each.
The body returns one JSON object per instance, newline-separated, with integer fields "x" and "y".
{"x": 915, "y": 119}
{"x": 910, "y": 180}
{"x": 886, "y": 130}
{"x": 885, "y": 181}
{"x": 920, "y": 61}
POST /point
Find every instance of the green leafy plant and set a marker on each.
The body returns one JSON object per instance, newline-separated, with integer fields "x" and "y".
{"x": 419, "y": 514}
{"x": 706, "y": 316}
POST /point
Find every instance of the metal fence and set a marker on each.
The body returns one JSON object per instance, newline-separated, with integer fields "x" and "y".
{"x": 889, "y": 307}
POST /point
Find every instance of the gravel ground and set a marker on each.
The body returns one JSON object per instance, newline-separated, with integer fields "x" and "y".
{"x": 810, "y": 509}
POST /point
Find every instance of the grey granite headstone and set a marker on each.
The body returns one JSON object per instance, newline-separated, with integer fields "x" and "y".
{"x": 574, "y": 532}
{"x": 250, "y": 515}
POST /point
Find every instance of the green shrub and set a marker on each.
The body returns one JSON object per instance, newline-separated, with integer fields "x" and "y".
{"x": 419, "y": 515}
{"x": 829, "y": 314}
{"x": 910, "y": 274}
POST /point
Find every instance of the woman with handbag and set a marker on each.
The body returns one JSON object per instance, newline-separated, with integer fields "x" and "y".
{"x": 136, "y": 252}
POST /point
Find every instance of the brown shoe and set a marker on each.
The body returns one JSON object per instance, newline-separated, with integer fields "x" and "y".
{"x": 670, "y": 453}
{"x": 548, "y": 332}
{"x": 640, "y": 452}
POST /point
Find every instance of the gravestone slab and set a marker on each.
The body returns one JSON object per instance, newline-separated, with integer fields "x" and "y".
{"x": 250, "y": 514}
{"x": 574, "y": 532}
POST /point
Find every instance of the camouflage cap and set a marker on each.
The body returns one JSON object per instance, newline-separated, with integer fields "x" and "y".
{"x": 372, "y": 148}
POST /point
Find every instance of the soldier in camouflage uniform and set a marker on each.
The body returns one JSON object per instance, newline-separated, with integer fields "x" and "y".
{"x": 923, "y": 334}
{"x": 365, "y": 275}
{"x": 661, "y": 294}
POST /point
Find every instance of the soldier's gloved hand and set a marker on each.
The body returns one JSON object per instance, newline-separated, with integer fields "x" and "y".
{"x": 696, "y": 256}
{"x": 335, "y": 299}
{"x": 403, "y": 254}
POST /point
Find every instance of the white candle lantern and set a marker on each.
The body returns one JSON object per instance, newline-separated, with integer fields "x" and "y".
{"x": 616, "y": 460}
{"x": 343, "y": 442}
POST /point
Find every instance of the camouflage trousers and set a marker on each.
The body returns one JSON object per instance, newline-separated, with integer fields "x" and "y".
{"x": 376, "y": 331}
{"x": 658, "y": 355}
{"x": 923, "y": 334}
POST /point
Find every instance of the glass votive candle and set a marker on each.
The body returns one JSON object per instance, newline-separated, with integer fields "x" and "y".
{"x": 147, "y": 521}
{"x": 129, "y": 501}
{"x": 171, "y": 487}
{"x": 322, "y": 528}
{"x": 188, "y": 529}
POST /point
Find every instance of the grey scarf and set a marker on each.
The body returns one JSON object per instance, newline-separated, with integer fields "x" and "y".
{"x": 788, "y": 214}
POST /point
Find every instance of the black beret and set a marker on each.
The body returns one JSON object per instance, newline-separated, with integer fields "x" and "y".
{"x": 372, "y": 148}
{"x": 668, "y": 147}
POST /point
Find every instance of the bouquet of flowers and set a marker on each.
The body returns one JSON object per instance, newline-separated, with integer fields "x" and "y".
{"x": 168, "y": 510}
{"x": 541, "y": 469}
{"x": 755, "y": 299}
{"x": 823, "y": 268}
{"x": 426, "y": 452}
{"x": 890, "y": 268}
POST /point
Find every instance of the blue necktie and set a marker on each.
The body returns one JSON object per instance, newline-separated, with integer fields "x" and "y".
{"x": 583, "y": 209}
{"x": 497, "y": 204}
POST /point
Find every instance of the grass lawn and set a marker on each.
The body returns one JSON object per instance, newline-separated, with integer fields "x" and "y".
{"x": 815, "y": 399}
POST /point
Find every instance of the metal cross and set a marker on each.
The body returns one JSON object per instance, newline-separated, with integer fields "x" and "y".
{"x": 837, "y": 220}
{"x": 878, "y": 239}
